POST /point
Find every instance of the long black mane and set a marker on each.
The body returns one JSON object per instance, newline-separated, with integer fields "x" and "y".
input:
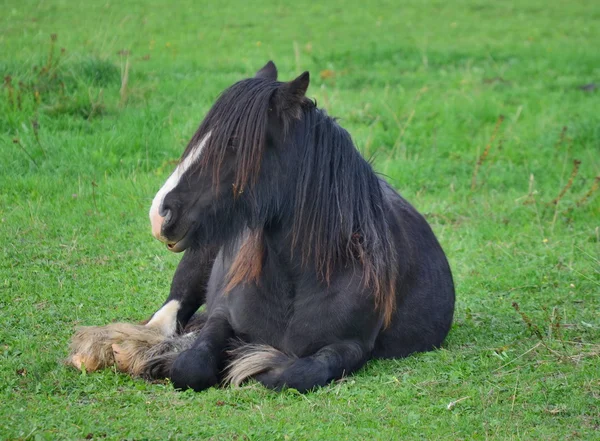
{"x": 340, "y": 214}
{"x": 336, "y": 200}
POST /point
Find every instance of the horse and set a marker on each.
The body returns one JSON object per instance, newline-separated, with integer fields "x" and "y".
{"x": 306, "y": 263}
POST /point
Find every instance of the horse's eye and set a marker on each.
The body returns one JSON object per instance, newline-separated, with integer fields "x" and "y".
{"x": 231, "y": 144}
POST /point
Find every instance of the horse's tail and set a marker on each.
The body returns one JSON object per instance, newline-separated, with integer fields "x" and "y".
{"x": 249, "y": 360}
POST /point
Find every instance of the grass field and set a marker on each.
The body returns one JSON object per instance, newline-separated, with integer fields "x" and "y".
{"x": 474, "y": 110}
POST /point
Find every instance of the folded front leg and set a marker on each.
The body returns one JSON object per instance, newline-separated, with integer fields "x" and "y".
{"x": 277, "y": 370}
{"x": 199, "y": 367}
{"x": 187, "y": 293}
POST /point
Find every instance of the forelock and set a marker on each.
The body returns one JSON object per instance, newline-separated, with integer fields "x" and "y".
{"x": 239, "y": 116}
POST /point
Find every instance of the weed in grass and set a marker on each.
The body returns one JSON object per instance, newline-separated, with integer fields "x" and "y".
{"x": 569, "y": 184}
{"x": 590, "y": 192}
{"x": 35, "y": 125}
{"x": 486, "y": 152}
{"x": 18, "y": 143}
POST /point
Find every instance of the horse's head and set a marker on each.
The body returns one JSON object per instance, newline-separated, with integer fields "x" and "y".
{"x": 233, "y": 169}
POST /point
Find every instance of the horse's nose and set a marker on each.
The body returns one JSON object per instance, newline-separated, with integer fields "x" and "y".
{"x": 157, "y": 219}
{"x": 166, "y": 214}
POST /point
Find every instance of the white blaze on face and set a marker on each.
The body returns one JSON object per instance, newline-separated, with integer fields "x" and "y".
{"x": 156, "y": 220}
{"x": 165, "y": 318}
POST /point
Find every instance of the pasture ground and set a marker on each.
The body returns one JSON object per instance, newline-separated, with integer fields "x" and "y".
{"x": 99, "y": 100}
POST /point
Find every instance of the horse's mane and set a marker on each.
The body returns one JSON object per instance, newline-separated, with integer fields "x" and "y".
{"x": 339, "y": 209}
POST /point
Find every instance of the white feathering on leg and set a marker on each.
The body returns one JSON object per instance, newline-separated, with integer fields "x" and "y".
{"x": 250, "y": 360}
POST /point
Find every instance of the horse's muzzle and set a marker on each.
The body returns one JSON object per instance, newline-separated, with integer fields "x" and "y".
{"x": 178, "y": 247}
{"x": 157, "y": 221}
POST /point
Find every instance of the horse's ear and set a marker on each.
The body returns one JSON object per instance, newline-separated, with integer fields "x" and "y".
{"x": 268, "y": 72}
{"x": 290, "y": 96}
{"x": 297, "y": 88}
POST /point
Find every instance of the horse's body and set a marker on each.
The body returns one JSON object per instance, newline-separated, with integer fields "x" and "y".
{"x": 308, "y": 263}
{"x": 290, "y": 310}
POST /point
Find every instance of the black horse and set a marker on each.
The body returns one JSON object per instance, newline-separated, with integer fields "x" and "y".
{"x": 309, "y": 264}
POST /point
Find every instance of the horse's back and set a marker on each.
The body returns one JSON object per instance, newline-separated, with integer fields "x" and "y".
{"x": 425, "y": 289}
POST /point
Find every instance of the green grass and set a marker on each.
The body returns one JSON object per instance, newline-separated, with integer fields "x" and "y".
{"x": 420, "y": 86}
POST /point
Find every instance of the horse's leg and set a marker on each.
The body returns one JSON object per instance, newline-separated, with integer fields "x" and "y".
{"x": 154, "y": 362}
{"x": 276, "y": 370}
{"x": 151, "y": 361}
{"x": 97, "y": 347}
{"x": 187, "y": 293}
{"x": 198, "y": 368}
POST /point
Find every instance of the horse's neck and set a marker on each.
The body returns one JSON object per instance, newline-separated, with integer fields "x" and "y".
{"x": 278, "y": 245}
{"x": 277, "y": 238}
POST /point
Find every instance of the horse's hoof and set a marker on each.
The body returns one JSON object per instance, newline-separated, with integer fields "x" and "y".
{"x": 192, "y": 371}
